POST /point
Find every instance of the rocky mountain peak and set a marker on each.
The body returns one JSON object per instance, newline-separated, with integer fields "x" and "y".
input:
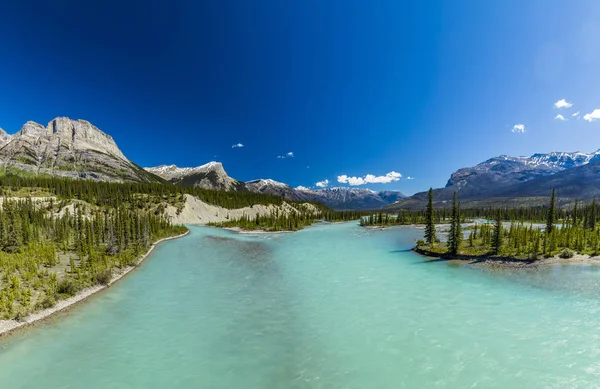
{"x": 32, "y": 129}
{"x": 211, "y": 175}
{"x": 4, "y": 137}
{"x": 70, "y": 148}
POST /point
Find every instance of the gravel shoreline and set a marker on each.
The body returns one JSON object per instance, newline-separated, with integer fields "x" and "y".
{"x": 9, "y": 326}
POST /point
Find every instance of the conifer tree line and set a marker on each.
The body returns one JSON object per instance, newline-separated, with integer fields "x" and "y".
{"x": 562, "y": 232}
{"x": 47, "y": 255}
{"x": 112, "y": 194}
{"x": 290, "y": 221}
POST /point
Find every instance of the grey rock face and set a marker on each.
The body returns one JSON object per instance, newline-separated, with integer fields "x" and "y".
{"x": 69, "y": 148}
{"x": 209, "y": 176}
{"x": 4, "y": 137}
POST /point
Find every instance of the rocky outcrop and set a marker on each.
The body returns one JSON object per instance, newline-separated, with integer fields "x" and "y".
{"x": 4, "y": 137}
{"x": 68, "y": 148}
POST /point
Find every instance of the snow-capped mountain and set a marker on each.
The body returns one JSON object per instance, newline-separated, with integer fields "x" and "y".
{"x": 208, "y": 176}
{"x": 213, "y": 176}
{"x": 513, "y": 177}
{"x": 68, "y": 148}
{"x": 504, "y": 170}
{"x": 335, "y": 198}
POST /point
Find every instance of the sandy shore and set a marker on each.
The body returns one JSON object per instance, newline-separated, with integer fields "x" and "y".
{"x": 8, "y": 326}
{"x": 240, "y": 231}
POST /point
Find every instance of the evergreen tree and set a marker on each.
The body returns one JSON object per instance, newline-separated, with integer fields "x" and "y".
{"x": 429, "y": 220}
{"x": 455, "y": 233}
{"x": 497, "y": 235}
{"x": 551, "y": 213}
{"x": 592, "y": 216}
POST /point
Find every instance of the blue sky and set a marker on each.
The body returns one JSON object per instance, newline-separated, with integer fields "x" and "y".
{"x": 360, "y": 90}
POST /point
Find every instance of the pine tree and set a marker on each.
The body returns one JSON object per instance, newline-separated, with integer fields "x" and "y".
{"x": 497, "y": 235}
{"x": 429, "y": 222}
{"x": 455, "y": 233}
{"x": 592, "y": 216}
{"x": 551, "y": 213}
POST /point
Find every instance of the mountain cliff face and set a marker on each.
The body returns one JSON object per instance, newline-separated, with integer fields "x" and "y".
{"x": 68, "y": 148}
{"x": 209, "y": 176}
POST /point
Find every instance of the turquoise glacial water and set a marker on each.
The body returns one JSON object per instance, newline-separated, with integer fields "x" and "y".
{"x": 332, "y": 306}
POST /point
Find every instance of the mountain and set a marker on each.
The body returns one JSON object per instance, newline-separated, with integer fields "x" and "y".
{"x": 213, "y": 176}
{"x": 209, "y": 176}
{"x": 68, "y": 148}
{"x": 510, "y": 178}
{"x": 351, "y": 198}
{"x": 272, "y": 187}
{"x": 582, "y": 182}
{"x": 335, "y": 198}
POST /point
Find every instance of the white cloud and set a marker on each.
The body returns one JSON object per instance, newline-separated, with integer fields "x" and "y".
{"x": 302, "y": 188}
{"x": 410, "y": 178}
{"x": 237, "y": 145}
{"x": 576, "y": 114}
{"x": 518, "y": 128}
{"x": 560, "y": 117}
{"x": 562, "y": 103}
{"x": 287, "y": 155}
{"x": 594, "y": 115}
{"x": 322, "y": 184}
{"x": 369, "y": 179}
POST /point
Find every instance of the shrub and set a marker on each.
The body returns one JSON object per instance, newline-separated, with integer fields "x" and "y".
{"x": 48, "y": 302}
{"x": 103, "y": 277}
{"x": 67, "y": 287}
{"x": 21, "y": 315}
{"x": 567, "y": 253}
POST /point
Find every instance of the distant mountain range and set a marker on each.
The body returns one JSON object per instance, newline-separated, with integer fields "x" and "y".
{"x": 516, "y": 180}
{"x": 78, "y": 149}
{"x": 213, "y": 176}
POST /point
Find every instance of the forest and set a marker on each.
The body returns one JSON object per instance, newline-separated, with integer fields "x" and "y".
{"x": 290, "y": 221}
{"x": 528, "y": 233}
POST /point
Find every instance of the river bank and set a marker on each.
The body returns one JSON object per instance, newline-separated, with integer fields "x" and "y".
{"x": 505, "y": 261}
{"x": 9, "y": 326}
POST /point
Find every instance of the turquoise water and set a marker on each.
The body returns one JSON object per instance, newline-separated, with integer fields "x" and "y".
{"x": 332, "y": 306}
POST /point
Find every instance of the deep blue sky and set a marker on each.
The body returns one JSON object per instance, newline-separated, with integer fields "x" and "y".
{"x": 351, "y": 88}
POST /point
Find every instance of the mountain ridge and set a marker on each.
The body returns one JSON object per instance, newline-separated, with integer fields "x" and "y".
{"x": 68, "y": 148}
{"x": 336, "y": 198}
{"x": 506, "y": 177}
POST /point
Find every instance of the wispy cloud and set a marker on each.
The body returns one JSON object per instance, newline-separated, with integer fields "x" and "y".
{"x": 237, "y": 145}
{"x": 562, "y": 103}
{"x": 322, "y": 184}
{"x": 410, "y": 178}
{"x": 560, "y": 117}
{"x": 369, "y": 179}
{"x": 518, "y": 128}
{"x": 594, "y": 115}
{"x": 287, "y": 155}
{"x": 576, "y": 114}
